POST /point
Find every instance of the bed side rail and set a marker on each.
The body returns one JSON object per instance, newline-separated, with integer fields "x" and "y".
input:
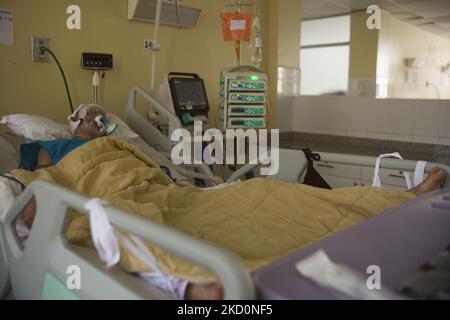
{"x": 364, "y": 161}
{"x": 155, "y": 137}
{"x": 145, "y": 128}
{"x": 49, "y": 232}
{"x": 393, "y": 164}
{"x": 5, "y": 283}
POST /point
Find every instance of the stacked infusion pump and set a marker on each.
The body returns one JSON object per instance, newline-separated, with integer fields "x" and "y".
{"x": 244, "y": 92}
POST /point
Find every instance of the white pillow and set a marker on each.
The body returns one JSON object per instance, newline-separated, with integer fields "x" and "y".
{"x": 33, "y": 127}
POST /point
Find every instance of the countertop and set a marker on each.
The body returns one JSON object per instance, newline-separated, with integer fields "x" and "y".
{"x": 365, "y": 146}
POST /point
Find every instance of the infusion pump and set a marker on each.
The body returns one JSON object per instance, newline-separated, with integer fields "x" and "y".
{"x": 244, "y": 98}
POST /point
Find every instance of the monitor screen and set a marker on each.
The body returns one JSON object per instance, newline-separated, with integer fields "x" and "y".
{"x": 190, "y": 93}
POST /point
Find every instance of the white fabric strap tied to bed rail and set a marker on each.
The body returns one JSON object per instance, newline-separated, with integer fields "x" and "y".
{"x": 106, "y": 242}
{"x": 376, "y": 182}
{"x": 419, "y": 173}
{"x": 170, "y": 285}
{"x": 102, "y": 233}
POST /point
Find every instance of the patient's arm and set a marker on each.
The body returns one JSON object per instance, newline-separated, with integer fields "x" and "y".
{"x": 44, "y": 160}
{"x": 29, "y": 214}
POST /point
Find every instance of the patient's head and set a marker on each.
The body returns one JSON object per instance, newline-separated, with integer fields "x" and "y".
{"x": 86, "y": 121}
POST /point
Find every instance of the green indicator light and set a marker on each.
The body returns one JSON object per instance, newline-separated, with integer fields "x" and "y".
{"x": 254, "y": 78}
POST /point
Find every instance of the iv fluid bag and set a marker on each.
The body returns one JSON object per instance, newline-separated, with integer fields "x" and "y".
{"x": 256, "y": 43}
{"x": 236, "y": 26}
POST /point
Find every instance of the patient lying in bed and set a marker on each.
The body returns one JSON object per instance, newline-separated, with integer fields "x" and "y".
{"x": 259, "y": 220}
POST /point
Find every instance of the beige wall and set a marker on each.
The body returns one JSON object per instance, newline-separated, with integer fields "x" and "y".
{"x": 284, "y": 37}
{"x": 399, "y": 41}
{"x": 37, "y": 88}
{"x": 363, "y": 47}
{"x": 289, "y": 27}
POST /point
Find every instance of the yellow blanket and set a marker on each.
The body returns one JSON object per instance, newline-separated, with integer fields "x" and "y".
{"x": 259, "y": 220}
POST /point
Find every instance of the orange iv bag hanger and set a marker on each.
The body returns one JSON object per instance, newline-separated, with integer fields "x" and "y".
{"x": 237, "y": 26}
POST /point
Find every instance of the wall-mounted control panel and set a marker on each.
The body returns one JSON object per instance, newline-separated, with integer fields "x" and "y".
{"x": 96, "y": 61}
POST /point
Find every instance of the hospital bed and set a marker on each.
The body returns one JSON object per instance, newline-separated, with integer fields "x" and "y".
{"x": 39, "y": 270}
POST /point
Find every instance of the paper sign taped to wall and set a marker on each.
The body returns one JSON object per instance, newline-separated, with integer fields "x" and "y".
{"x": 6, "y": 27}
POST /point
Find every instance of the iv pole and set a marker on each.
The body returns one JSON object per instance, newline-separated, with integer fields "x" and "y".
{"x": 96, "y": 86}
{"x": 237, "y": 43}
{"x": 155, "y": 46}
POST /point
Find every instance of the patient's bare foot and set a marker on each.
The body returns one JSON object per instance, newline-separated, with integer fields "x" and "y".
{"x": 431, "y": 183}
{"x": 212, "y": 291}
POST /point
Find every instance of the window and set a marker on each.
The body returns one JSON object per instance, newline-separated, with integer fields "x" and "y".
{"x": 325, "y": 56}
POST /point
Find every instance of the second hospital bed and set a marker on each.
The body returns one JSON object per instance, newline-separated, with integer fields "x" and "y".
{"x": 40, "y": 270}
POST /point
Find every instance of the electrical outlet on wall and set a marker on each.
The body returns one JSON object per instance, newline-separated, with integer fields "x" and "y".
{"x": 37, "y": 54}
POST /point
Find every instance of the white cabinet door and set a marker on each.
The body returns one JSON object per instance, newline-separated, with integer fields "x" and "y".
{"x": 387, "y": 177}
{"x": 387, "y": 186}
{"x": 340, "y": 182}
{"x": 338, "y": 170}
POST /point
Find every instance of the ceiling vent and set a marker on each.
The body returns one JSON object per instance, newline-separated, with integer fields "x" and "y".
{"x": 172, "y": 13}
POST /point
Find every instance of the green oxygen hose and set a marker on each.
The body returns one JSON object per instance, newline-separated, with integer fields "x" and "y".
{"x": 43, "y": 49}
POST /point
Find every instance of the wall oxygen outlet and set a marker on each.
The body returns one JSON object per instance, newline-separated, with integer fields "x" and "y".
{"x": 36, "y": 44}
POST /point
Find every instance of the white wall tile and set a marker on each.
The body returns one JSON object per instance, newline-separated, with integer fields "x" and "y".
{"x": 319, "y": 130}
{"x": 378, "y": 121}
{"x": 419, "y": 139}
{"x": 320, "y": 114}
{"x": 357, "y": 134}
{"x": 301, "y": 111}
{"x": 401, "y": 117}
{"x": 376, "y": 135}
{"x": 357, "y": 112}
{"x": 400, "y": 137}
{"x": 421, "y": 121}
{"x": 426, "y": 118}
{"x": 338, "y": 113}
{"x": 338, "y": 132}
{"x": 284, "y": 116}
{"x": 444, "y": 120}
{"x": 301, "y": 129}
{"x": 444, "y": 141}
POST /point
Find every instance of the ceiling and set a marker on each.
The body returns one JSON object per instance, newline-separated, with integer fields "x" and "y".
{"x": 430, "y": 15}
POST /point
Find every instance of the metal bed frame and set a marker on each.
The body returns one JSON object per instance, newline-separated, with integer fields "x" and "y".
{"x": 357, "y": 160}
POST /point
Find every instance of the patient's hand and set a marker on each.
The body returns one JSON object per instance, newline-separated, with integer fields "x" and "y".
{"x": 29, "y": 214}
{"x": 44, "y": 159}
